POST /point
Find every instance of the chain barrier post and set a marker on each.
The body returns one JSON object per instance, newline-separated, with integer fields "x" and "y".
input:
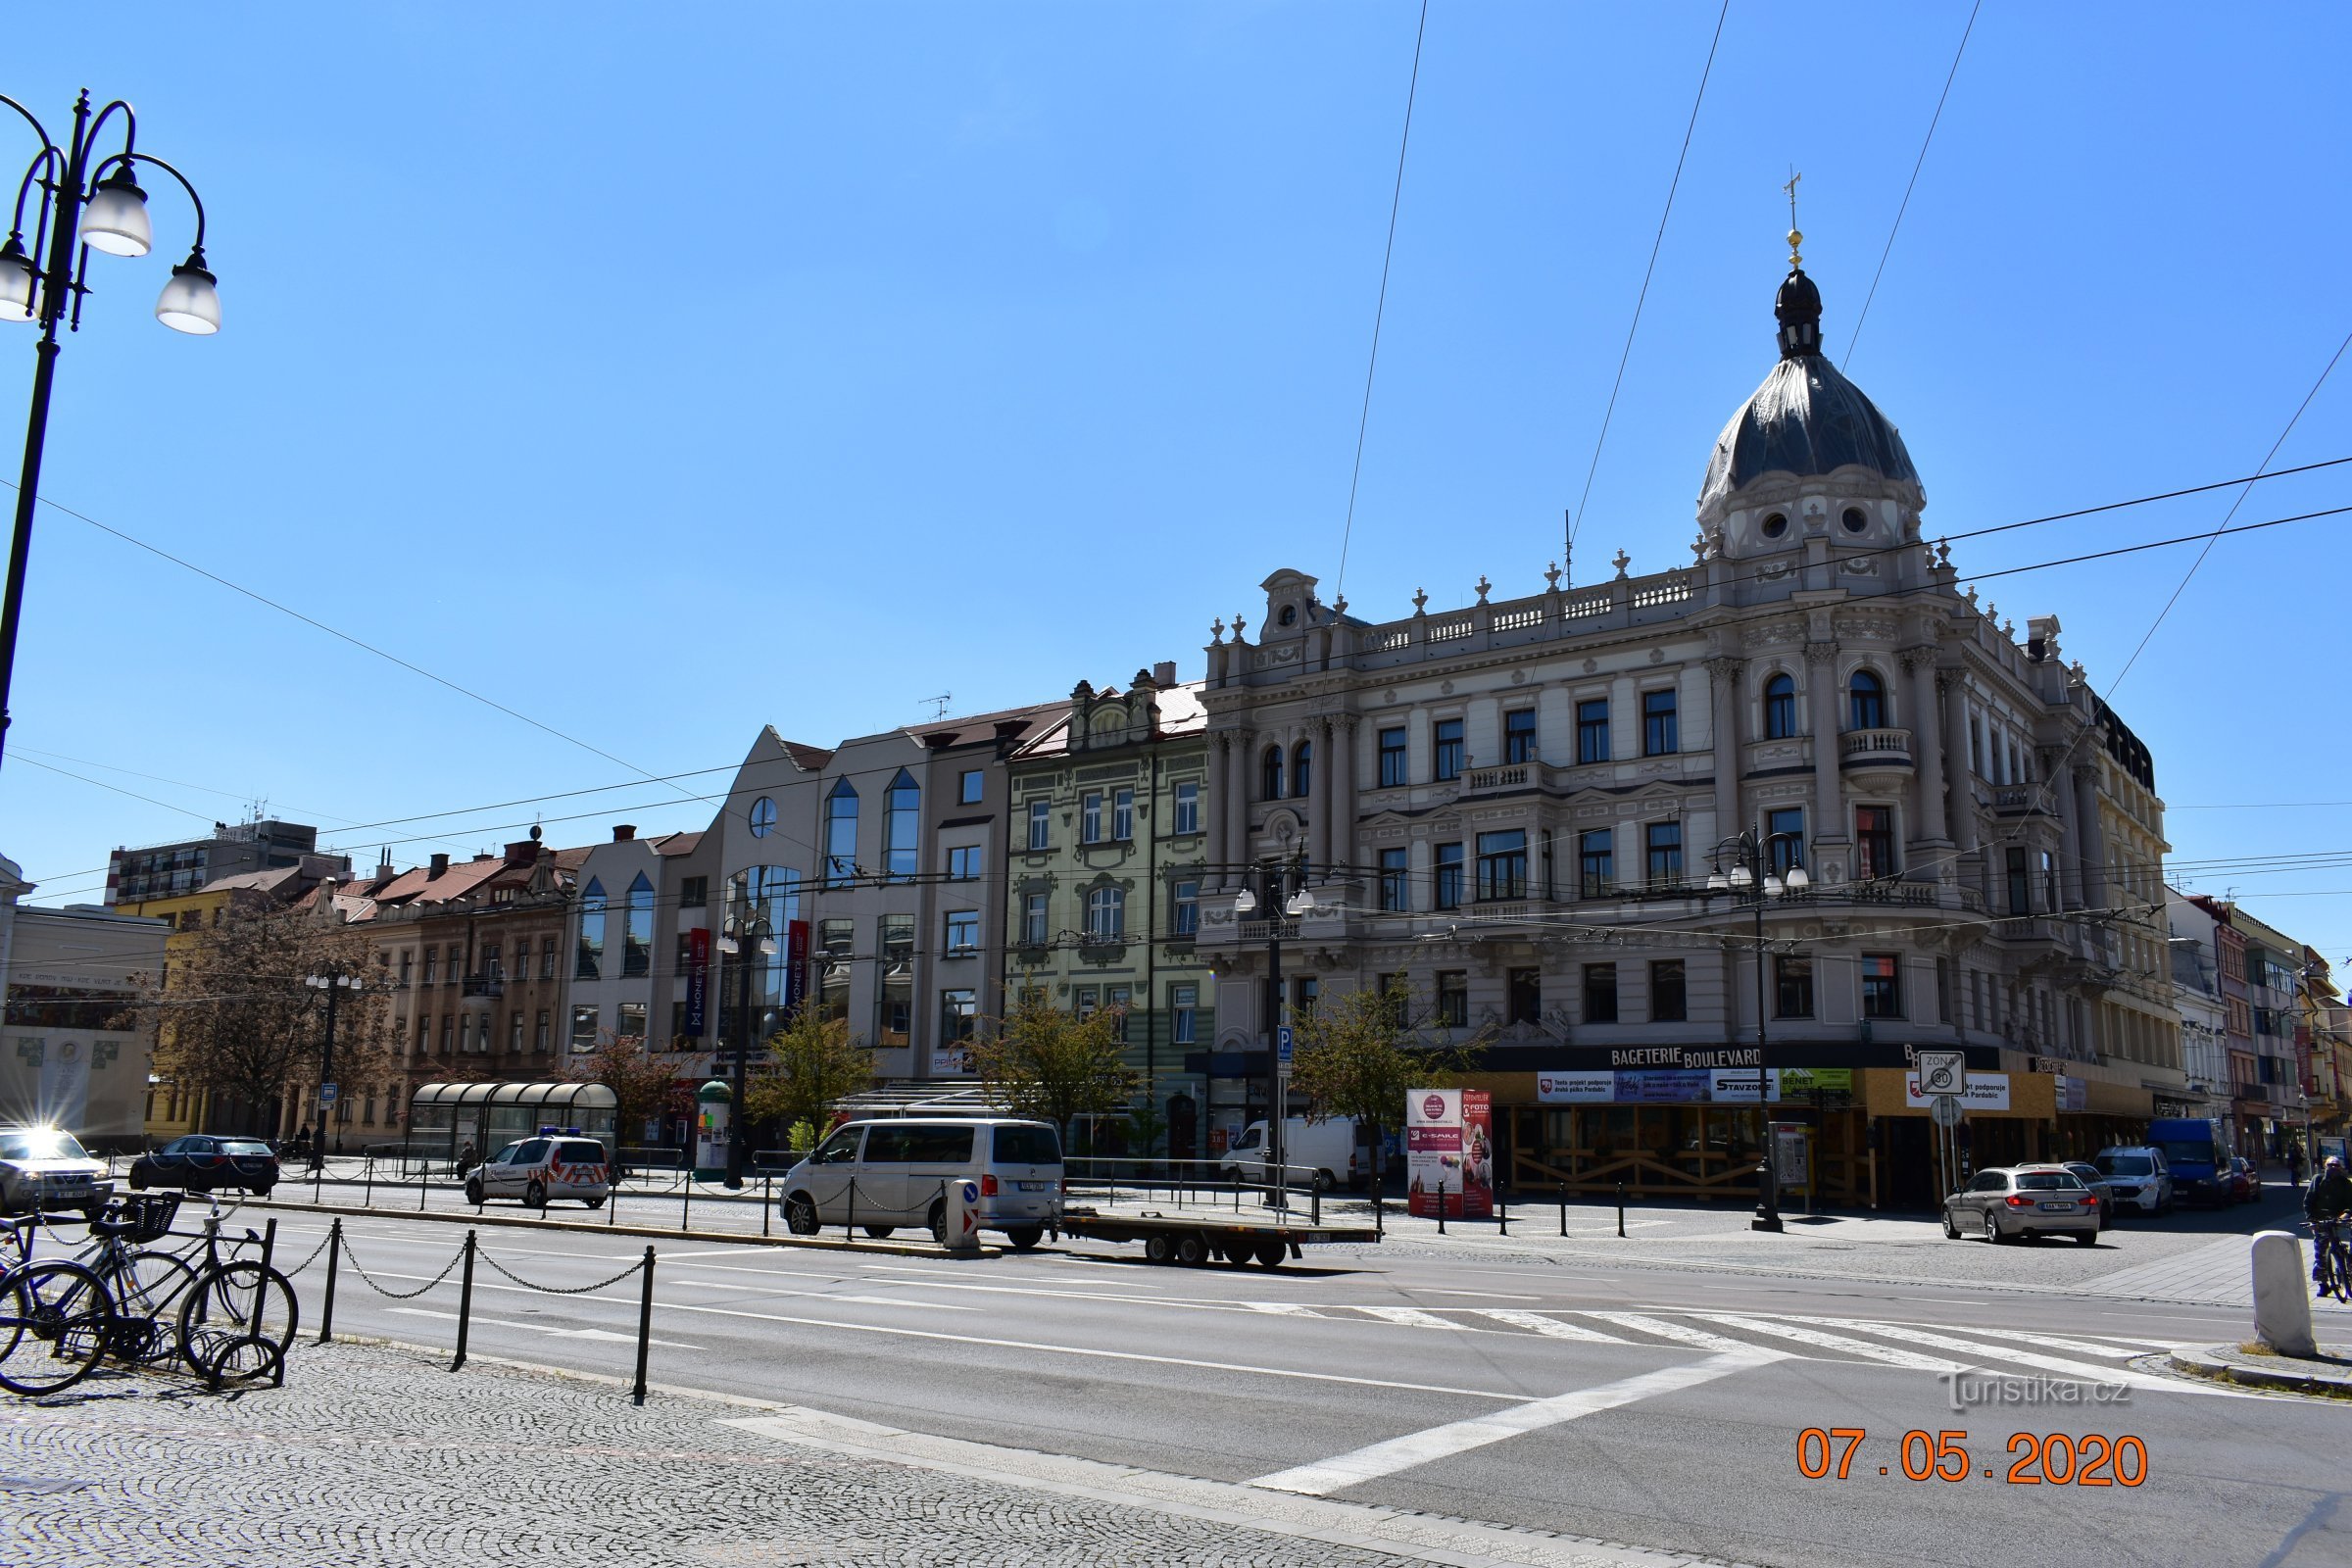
{"x": 1621, "y": 1208}
{"x": 767, "y": 1202}
{"x": 326, "y": 1310}
{"x": 645, "y": 1324}
{"x": 1314, "y": 1200}
{"x": 269, "y": 1241}
{"x": 465, "y": 1302}
{"x": 686, "y": 1200}
{"x": 424, "y": 1169}
{"x": 1502, "y": 1214}
{"x": 1441, "y": 1206}
{"x": 368, "y": 1194}
{"x": 848, "y": 1219}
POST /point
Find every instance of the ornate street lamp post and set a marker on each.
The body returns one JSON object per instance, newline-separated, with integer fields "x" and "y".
{"x": 88, "y": 201}
{"x": 334, "y": 982}
{"x": 751, "y": 944}
{"x": 1281, "y": 900}
{"x": 1743, "y": 866}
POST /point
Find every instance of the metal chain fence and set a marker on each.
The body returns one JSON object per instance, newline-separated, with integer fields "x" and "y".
{"x": 561, "y": 1289}
{"x": 456, "y": 1258}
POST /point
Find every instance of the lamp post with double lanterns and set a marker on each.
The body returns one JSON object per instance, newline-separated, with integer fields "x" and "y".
{"x": 88, "y": 200}
{"x": 1286, "y": 894}
{"x": 750, "y": 943}
{"x": 1743, "y": 866}
{"x": 334, "y": 982}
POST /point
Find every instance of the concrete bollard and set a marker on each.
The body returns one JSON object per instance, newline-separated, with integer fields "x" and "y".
{"x": 2282, "y": 1297}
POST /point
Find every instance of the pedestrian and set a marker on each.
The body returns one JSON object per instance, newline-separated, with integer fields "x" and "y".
{"x": 2326, "y": 1206}
{"x": 465, "y": 1158}
{"x": 302, "y": 1142}
{"x": 2294, "y": 1163}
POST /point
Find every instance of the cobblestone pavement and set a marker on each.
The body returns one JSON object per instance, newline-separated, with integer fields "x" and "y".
{"x": 371, "y": 1455}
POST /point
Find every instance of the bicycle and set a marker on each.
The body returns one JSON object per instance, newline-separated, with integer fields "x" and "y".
{"x": 57, "y": 1311}
{"x": 2331, "y": 1260}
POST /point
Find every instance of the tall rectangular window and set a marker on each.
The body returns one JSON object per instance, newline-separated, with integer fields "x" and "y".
{"x": 1090, "y": 818}
{"x": 694, "y": 892}
{"x": 1663, "y": 842}
{"x": 1519, "y": 736}
{"x": 1593, "y": 730}
{"x": 1106, "y": 915}
{"x": 1184, "y": 1006}
{"x": 894, "y": 1001}
{"x": 964, "y": 864}
{"x": 1041, "y": 824}
{"x": 632, "y": 1022}
{"x": 1874, "y": 842}
{"x": 514, "y": 1033}
{"x": 1785, "y": 829}
{"x": 970, "y": 786}
{"x": 1033, "y": 919}
{"x": 1526, "y": 995}
{"x": 1122, "y": 814}
{"x": 1659, "y": 734}
{"x": 539, "y": 1030}
{"x": 2021, "y": 891}
{"x": 583, "y": 1030}
{"x": 1188, "y": 807}
{"x": 1882, "y": 986}
{"x": 406, "y": 957}
{"x": 1120, "y": 1000}
{"x": 1453, "y": 997}
{"x": 1448, "y": 755}
{"x": 1597, "y": 863}
{"x": 1393, "y": 869}
{"x": 1792, "y": 985}
{"x": 1185, "y": 907}
{"x": 836, "y": 941}
{"x": 963, "y": 932}
{"x": 1669, "y": 1002}
{"x": 1393, "y": 753}
{"x": 1449, "y": 877}
{"x": 1502, "y": 865}
{"x": 465, "y": 1033}
{"x": 433, "y": 958}
{"x": 546, "y": 958}
{"x": 1600, "y": 992}
{"x": 958, "y": 1013}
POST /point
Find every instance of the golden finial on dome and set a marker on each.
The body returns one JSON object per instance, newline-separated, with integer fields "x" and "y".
{"x": 1794, "y": 238}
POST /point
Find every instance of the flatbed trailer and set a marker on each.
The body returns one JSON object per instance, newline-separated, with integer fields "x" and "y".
{"x": 1204, "y": 1238}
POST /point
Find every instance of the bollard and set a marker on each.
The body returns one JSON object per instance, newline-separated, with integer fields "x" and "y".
{"x": 686, "y": 1202}
{"x": 423, "y": 1171}
{"x": 612, "y": 1205}
{"x": 848, "y": 1218}
{"x": 1621, "y": 1208}
{"x": 1314, "y": 1203}
{"x": 465, "y": 1302}
{"x": 327, "y": 1309}
{"x": 2281, "y": 1301}
{"x": 1502, "y": 1214}
{"x": 1441, "y": 1206}
{"x": 367, "y": 1196}
{"x": 645, "y": 1325}
{"x": 1563, "y": 1208}
{"x": 767, "y": 1202}
{"x": 317, "y": 1175}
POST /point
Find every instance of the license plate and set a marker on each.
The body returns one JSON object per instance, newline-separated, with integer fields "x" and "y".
{"x": 1033, "y": 1187}
{"x": 2061, "y": 1207}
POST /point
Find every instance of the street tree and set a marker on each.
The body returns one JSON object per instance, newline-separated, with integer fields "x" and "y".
{"x": 1048, "y": 1064}
{"x": 238, "y": 1020}
{"x": 1351, "y": 1059}
{"x": 813, "y": 1064}
{"x": 644, "y": 1084}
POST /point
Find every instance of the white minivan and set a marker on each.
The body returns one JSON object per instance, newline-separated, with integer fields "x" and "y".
{"x": 880, "y": 1175}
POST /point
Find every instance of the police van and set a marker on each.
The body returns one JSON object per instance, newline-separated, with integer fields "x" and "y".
{"x": 552, "y": 1164}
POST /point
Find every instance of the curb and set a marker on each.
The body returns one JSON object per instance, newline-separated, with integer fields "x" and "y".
{"x": 2202, "y": 1362}
{"x": 869, "y": 1246}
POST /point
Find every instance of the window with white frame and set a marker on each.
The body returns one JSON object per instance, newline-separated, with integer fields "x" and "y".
{"x": 1041, "y": 824}
{"x": 1185, "y": 903}
{"x": 1122, "y": 814}
{"x": 1033, "y": 919}
{"x": 1184, "y": 1005}
{"x": 1106, "y": 913}
{"x": 963, "y": 932}
{"x": 1090, "y": 818}
{"x": 1188, "y": 807}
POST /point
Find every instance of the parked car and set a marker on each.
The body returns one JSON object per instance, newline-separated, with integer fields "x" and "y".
{"x": 2196, "y": 1154}
{"x": 2140, "y": 1176}
{"x": 543, "y": 1168}
{"x": 2101, "y": 1188}
{"x": 46, "y": 1168}
{"x": 2245, "y": 1183}
{"x": 885, "y": 1174}
{"x": 201, "y": 1162}
{"x": 2023, "y": 1200}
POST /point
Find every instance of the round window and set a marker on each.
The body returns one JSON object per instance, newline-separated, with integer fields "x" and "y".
{"x": 1775, "y": 525}
{"x": 762, "y": 816}
{"x": 1856, "y": 519}
{"x": 1290, "y": 614}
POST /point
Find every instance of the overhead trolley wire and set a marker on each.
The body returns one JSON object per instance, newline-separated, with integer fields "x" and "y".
{"x": 1920, "y": 162}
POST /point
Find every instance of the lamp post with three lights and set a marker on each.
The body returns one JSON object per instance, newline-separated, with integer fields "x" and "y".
{"x": 1749, "y": 865}
{"x": 334, "y": 982}
{"x": 1286, "y": 894}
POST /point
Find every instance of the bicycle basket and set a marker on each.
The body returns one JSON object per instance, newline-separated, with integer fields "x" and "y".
{"x": 149, "y": 1216}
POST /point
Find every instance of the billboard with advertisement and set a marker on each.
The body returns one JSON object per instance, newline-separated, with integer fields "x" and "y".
{"x": 698, "y": 982}
{"x": 1449, "y": 1146}
{"x": 1985, "y": 1091}
{"x": 1682, "y": 1086}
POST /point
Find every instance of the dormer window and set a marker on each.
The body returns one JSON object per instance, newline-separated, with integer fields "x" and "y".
{"x": 1289, "y": 616}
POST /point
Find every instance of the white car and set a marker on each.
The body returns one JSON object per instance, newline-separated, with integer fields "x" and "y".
{"x": 882, "y": 1175}
{"x": 46, "y": 1168}
{"x": 544, "y": 1167}
{"x": 2139, "y": 1177}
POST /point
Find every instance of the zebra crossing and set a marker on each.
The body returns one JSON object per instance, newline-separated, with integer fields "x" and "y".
{"x": 1941, "y": 1348}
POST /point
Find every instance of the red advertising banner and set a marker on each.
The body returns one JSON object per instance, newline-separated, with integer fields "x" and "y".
{"x": 1478, "y": 1156}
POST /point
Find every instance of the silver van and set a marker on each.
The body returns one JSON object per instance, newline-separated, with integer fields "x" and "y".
{"x": 881, "y": 1175}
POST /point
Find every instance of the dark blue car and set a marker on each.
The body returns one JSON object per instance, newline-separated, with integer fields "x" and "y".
{"x": 206, "y": 1162}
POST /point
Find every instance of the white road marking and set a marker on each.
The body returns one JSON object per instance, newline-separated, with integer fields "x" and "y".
{"x": 543, "y": 1327}
{"x": 1455, "y": 1437}
{"x": 1682, "y": 1331}
{"x": 1550, "y": 1327}
{"x": 826, "y": 1296}
{"x": 1410, "y": 1317}
{"x": 2052, "y": 1342}
{"x": 1835, "y": 1342}
{"x": 1281, "y": 1309}
{"x": 1491, "y": 1296}
{"x": 2079, "y": 1371}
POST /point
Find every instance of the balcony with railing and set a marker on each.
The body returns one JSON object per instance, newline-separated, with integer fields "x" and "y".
{"x": 1875, "y": 748}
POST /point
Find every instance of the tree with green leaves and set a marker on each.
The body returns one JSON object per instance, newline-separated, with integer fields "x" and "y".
{"x": 1351, "y": 1059}
{"x": 644, "y": 1084}
{"x": 1048, "y": 1064}
{"x": 813, "y": 1065}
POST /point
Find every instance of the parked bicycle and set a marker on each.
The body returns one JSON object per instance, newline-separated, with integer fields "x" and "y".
{"x": 55, "y": 1317}
{"x": 2331, "y": 1260}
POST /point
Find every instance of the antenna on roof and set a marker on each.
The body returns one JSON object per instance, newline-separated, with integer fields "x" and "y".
{"x": 943, "y": 700}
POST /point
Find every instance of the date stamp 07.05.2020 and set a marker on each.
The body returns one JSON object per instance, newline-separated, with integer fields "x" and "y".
{"x": 2035, "y": 1459}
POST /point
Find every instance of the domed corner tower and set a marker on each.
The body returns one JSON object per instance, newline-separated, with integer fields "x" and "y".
{"x": 1808, "y": 456}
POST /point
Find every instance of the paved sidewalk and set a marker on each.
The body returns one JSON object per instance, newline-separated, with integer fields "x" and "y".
{"x": 374, "y": 1455}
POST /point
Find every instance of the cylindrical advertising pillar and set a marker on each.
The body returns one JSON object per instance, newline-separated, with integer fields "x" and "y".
{"x": 713, "y": 1105}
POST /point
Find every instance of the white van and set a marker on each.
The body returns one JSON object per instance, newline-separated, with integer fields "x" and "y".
{"x": 881, "y": 1175}
{"x": 1327, "y": 1150}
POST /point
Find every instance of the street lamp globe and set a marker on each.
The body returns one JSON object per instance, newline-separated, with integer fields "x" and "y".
{"x": 18, "y": 284}
{"x": 1771, "y": 885}
{"x": 1743, "y": 877}
{"x": 1244, "y": 903}
{"x": 1797, "y": 881}
{"x": 1717, "y": 882}
{"x": 189, "y": 302}
{"x": 115, "y": 220}
{"x": 1302, "y": 904}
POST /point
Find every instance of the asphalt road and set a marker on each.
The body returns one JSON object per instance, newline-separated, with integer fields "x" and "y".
{"x": 1636, "y": 1404}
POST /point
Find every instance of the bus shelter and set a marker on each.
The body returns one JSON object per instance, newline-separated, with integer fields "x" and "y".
{"x": 443, "y": 1118}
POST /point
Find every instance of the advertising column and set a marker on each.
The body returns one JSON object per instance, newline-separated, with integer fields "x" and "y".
{"x": 1433, "y": 1150}
{"x": 1478, "y": 1156}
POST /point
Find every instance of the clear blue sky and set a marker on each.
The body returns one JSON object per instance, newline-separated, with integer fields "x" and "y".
{"x": 661, "y": 373}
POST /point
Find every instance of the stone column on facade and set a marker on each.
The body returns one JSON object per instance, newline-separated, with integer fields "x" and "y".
{"x": 1723, "y": 675}
{"x": 1961, "y": 819}
{"x": 1236, "y": 791}
{"x": 2087, "y": 827}
{"x": 1219, "y": 806}
{"x": 2071, "y": 839}
{"x": 1926, "y": 738}
{"x": 1342, "y": 793}
{"x": 1317, "y": 805}
{"x": 1829, "y": 801}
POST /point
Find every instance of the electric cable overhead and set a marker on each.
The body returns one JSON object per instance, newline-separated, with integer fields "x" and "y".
{"x": 1577, "y": 519}
{"x": 1380, "y": 309}
{"x": 1920, "y": 162}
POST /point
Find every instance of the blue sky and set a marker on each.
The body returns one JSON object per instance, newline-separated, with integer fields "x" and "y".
{"x": 661, "y": 373}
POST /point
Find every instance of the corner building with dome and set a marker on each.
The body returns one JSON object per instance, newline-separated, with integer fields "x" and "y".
{"x": 1531, "y": 810}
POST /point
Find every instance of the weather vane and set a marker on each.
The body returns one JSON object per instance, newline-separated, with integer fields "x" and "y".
{"x": 1794, "y": 238}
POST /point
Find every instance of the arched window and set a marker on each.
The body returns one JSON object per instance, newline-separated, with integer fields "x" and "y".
{"x": 901, "y": 828}
{"x": 1302, "y": 768}
{"x": 590, "y": 961}
{"x": 1866, "y": 708}
{"x": 637, "y": 929}
{"x": 1269, "y": 775}
{"x": 1106, "y": 915}
{"x": 841, "y": 832}
{"x": 1780, "y": 708}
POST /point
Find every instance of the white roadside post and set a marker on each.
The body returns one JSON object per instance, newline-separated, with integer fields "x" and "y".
{"x": 2282, "y": 1299}
{"x": 962, "y": 1215}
